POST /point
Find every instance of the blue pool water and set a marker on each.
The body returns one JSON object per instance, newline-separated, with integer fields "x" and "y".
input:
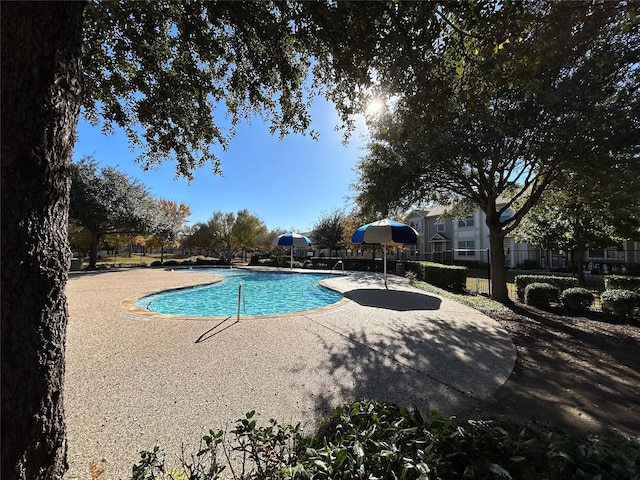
{"x": 264, "y": 293}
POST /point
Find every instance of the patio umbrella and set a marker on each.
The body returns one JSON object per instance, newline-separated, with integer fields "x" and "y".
{"x": 291, "y": 240}
{"x": 384, "y": 232}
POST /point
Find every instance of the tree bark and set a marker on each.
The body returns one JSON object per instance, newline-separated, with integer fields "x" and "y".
{"x": 496, "y": 251}
{"x": 498, "y": 273}
{"x": 41, "y": 95}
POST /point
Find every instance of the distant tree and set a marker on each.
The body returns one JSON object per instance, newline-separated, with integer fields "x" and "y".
{"x": 79, "y": 238}
{"x": 227, "y": 233}
{"x": 171, "y": 223}
{"x": 248, "y": 230}
{"x": 107, "y": 202}
{"x": 328, "y": 231}
{"x": 598, "y": 208}
{"x": 198, "y": 237}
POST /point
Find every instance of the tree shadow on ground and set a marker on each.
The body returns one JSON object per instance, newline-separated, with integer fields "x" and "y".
{"x": 98, "y": 271}
{"x": 582, "y": 372}
{"x": 429, "y": 363}
{"x": 393, "y": 299}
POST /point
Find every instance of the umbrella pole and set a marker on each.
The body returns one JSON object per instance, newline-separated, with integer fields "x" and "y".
{"x": 291, "y": 262}
{"x": 384, "y": 249}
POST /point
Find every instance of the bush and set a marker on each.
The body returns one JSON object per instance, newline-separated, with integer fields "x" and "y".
{"x": 561, "y": 283}
{"x": 156, "y": 263}
{"x": 576, "y": 298}
{"x": 171, "y": 263}
{"x": 622, "y": 282}
{"x": 541, "y": 295}
{"x": 206, "y": 261}
{"x": 622, "y": 303}
{"x": 370, "y": 439}
{"x": 449, "y": 277}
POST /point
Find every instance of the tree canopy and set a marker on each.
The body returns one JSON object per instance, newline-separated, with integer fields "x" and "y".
{"x": 228, "y": 233}
{"x": 171, "y": 73}
{"x": 508, "y": 97}
{"x": 590, "y": 209}
{"x": 328, "y": 231}
{"x": 105, "y": 202}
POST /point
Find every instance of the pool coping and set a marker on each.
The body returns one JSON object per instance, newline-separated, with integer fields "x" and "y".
{"x": 135, "y": 312}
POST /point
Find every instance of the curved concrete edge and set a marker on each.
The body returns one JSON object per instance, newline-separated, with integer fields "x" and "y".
{"x": 131, "y": 384}
{"x": 129, "y": 303}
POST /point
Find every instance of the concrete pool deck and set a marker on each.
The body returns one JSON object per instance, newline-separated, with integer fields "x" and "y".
{"x": 133, "y": 380}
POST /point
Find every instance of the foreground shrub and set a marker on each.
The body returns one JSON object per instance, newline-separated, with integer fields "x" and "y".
{"x": 576, "y": 298}
{"x": 369, "y": 439}
{"x": 622, "y": 282}
{"x": 561, "y": 283}
{"x": 622, "y": 303}
{"x": 540, "y": 295}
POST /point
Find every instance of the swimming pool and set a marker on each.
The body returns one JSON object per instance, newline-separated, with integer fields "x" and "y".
{"x": 263, "y": 293}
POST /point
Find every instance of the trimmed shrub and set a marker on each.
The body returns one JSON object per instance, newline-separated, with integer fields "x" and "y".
{"x": 576, "y": 298}
{"x": 156, "y": 263}
{"x": 541, "y": 295}
{"x": 171, "y": 263}
{"x": 622, "y": 303}
{"x": 450, "y": 277}
{"x": 622, "y": 282}
{"x": 561, "y": 283}
{"x": 207, "y": 261}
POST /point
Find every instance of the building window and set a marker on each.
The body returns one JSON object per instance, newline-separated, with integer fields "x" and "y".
{"x": 467, "y": 248}
{"x": 466, "y": 222}
{"x": 439, "y": 226}
{"x": 416, "y": 225}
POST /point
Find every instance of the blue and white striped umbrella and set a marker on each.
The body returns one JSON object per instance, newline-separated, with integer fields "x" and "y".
{"x": 383, "y": 232}
{"x": 291, "y": 240}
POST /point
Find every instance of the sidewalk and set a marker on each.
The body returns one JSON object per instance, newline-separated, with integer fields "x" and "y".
{"x": 134, "y": 381}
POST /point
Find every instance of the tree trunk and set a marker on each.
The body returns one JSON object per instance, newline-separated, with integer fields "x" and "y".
{"x": 496, "y": 251}
{"x": 41, "y": 95}
{"x": 498, "y": 273}
{"x": 578, "y": 260}
{"x": 93, "y": 250}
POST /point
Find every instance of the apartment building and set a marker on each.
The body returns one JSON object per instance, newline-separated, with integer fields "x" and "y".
{"x": 448, "y": 240}
{"x": 445, "y": 239}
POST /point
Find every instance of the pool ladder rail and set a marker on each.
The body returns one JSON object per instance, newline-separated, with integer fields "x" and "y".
{"x": 339, "y": 262}
{"x": 241, "y": 299}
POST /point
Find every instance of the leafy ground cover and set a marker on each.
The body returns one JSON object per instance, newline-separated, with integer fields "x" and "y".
{"x": 373, "y": 440}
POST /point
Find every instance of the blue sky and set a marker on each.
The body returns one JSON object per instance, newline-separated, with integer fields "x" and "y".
{"x": 288, "y": 183}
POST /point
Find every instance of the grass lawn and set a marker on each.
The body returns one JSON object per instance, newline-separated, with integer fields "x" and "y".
{"x": 136, "y": 259}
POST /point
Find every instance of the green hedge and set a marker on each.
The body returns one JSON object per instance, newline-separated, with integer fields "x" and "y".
{"x": 622, "y": 282}
{"x": 561, "y": 283}
{"x": 576, "y": 298}
{"x": 449, "y": 277}
{"x": 622, "y": 303}
{"x": 541, "y": 295}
